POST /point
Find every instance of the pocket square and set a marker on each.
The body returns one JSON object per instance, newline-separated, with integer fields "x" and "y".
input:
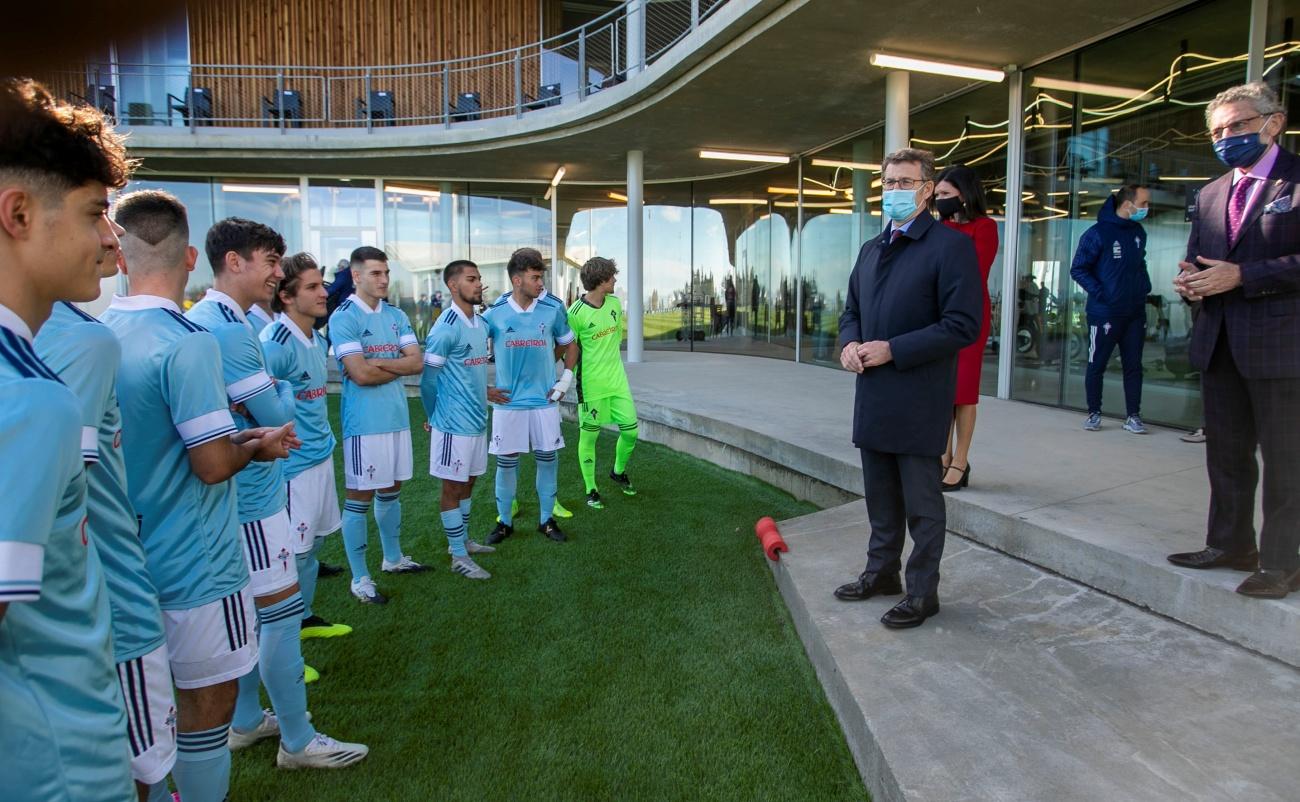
{"x": 1280, "y": 206}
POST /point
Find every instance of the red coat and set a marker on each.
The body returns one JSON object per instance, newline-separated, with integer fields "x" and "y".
{"x": 971, "y": 358}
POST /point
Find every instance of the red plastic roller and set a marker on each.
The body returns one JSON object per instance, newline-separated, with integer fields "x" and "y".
{"x": 770, "y": 538}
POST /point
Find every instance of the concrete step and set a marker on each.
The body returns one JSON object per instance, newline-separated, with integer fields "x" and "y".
{"x": 1028, "y": 686}
{"x": 1102, "y": 508}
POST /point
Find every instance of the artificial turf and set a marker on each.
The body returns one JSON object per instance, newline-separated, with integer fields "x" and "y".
{"x": 650, "y": 657}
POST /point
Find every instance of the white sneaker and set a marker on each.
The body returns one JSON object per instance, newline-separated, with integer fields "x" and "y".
{"x": 323, "y": 752}
{"x": 468, "y": 568}
{"x": 269, "y": 726}
{"x": 474, "y": 547}
{"x": 403, "y": 566}
{"x": 365, "y": 591}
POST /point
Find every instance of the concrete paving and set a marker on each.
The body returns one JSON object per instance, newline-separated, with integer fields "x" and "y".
{"x": 1103, "y": 508}
{"x": 1028, "y": 686}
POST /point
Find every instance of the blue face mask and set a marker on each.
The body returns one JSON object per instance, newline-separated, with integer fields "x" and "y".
{"x": 898, "y": 204}
{"x": 1240, "y": 151}
{"x": 1138, "y": 215}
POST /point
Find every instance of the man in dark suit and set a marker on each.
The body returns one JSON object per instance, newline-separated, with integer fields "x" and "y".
{"x": 1243, "y": 264}
{"x": 914, "y": 301}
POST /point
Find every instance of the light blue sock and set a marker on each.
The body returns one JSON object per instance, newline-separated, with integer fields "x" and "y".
{"x": 464, "y": 512}
{"x": 280, "y": 661}
{"x": 159, "y": 792}
{"x": 388, "y": 514}
{"x": 454, "y": 524}
{"x": 248, "y": 705}
{"x": 548, "y": 479}
{"x": 202, "y": 770}
{"x": 507, "y": 478}
{"x": 308, "y": 573}
{"x": 355, "y": 536}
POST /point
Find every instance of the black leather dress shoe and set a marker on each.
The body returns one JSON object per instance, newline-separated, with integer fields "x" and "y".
{"x": 911, "y": 612}
{"x": 1270, "y": 583}
{"x": 1216, "y": 558}
{"x": 869, "y": 584}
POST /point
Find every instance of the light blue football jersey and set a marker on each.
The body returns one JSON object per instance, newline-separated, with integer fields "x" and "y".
{"x": 258, "y": 319}
{"x": 85, "y": 354}
{"x": 379, "y": 333}
{"x": 300, "y": 360}
{"x": 523, "y": 342}
{"x": 260, "y": 485}
{"x": 455, "y": 373}
{"x": 62, "y": 725}
{"x": 172, "y": 396}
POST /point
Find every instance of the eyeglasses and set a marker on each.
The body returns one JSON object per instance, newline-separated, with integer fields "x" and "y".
{"x": 1233, "y": 128}
{"x": 903, "y": 183}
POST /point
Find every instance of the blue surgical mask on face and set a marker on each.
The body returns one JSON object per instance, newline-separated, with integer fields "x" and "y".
{"x": 1138, "y": 215}
{"x": 1242, "y": 150}
{"x": 898, "y": 204}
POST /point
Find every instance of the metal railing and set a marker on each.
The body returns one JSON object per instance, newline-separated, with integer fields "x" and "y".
{"x": 563, "y": 69}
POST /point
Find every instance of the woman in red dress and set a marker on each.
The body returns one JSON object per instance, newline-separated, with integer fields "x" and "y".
{"x": 959, "y": 199}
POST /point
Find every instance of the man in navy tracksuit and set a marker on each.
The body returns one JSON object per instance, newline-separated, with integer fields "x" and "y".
{"x": 1111, "y": 267}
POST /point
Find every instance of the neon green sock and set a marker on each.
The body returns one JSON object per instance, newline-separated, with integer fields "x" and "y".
{"x": 623, "y": 448}
{"x": 587, "y": 454}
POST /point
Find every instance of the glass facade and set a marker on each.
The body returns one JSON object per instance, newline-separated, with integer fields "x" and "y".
{"x": 758, "y": 262}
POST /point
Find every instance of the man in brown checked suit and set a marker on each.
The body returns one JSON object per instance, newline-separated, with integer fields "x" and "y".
{"x": 1243, "y": 264}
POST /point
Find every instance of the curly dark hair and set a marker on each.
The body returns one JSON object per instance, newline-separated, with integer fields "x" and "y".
{"x": 596, "y": 271}
{"x": 293, "y": 267}
{"x": 55, "y": 146}
{"x": 241, "y": 236}
{"x": 524, "y": 259}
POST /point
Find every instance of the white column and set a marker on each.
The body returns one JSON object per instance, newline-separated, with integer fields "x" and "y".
{"x": 635, "y": 256}
{"x": 1257, "y": 40}
{"x": 557, "y": 259}
{"x": 446, "y": 226}
{"x": 634, "y": 24}
{"x": 1011, "y": 229}
{"x": 896, "y": 106}
{"x": 862, "y": 228}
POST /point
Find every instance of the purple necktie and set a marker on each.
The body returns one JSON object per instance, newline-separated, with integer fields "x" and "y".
{"x": 895, "y": 234}
{"x": 1237, "y": 206}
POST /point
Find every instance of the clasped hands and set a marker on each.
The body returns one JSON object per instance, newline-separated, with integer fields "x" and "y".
{"x": 857, "y": 356}
{"x": 1211, "y": 277}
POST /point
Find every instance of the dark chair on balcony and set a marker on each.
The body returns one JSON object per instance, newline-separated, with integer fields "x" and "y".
{"x": 547, "y": 95}
{"x": 140, "y": 114}
{"x": 102, "y": 97}
{"x": 469, "y": 106}
{"x": 381, "y": 109}
{"x": 197, "y": 102}
{"x": 289, "y": 105}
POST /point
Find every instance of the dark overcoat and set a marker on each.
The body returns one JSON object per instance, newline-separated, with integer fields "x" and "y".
{"x": 922, "y": 294}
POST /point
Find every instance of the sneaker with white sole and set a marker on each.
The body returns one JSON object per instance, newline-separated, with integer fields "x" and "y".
{"x": 403, "y": 566}
{"x": 322, "y": 752}
{"x": 364, "y": 590}
{"x": 468, "y": 568}
{"x": 1195, "y": 436}
{"x": 1133, "y": 425}
{"x": 268, "y": 727}
{"x": 1093, "y": 423}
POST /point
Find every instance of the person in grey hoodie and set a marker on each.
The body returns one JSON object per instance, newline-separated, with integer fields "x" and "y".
{"x": 1110, "y": 264}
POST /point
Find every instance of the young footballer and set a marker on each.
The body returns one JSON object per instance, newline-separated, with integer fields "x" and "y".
{"x": 455, "y": 394}
{"x": 375, "y": 346}
{"x": 529, "y": 330}
{"x": 603, "y": 394}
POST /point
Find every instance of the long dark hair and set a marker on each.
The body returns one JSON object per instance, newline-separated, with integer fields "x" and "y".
{"x": 969, "y": 187}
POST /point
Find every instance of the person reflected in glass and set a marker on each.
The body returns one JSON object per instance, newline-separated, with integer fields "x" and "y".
{"x": 959, "y": 200}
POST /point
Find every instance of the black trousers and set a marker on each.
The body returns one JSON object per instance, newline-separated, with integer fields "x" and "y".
{"x": 1240, "y": 415}
{"x": 902, "y": 494}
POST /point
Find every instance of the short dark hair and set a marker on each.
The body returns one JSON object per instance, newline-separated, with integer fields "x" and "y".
{"x": 54, "y": 145}
{"x": 293, "y": 267}
{"x": 524, "y": 259}
{"x": 596, "y": 271}
{"x": 1128, "y": 192}
{"x": 969, "y": 187}
{"x": 241, "y": 236}
{"x": 152, "y": 215}
{"x": 364, "y": 254}
{"x": 454, "y": 268}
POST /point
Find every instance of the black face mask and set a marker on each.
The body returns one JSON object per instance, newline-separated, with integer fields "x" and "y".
{"x": 947, "y": 207}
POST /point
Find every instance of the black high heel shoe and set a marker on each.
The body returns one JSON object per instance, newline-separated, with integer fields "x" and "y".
{"x": 959, "y": 484}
